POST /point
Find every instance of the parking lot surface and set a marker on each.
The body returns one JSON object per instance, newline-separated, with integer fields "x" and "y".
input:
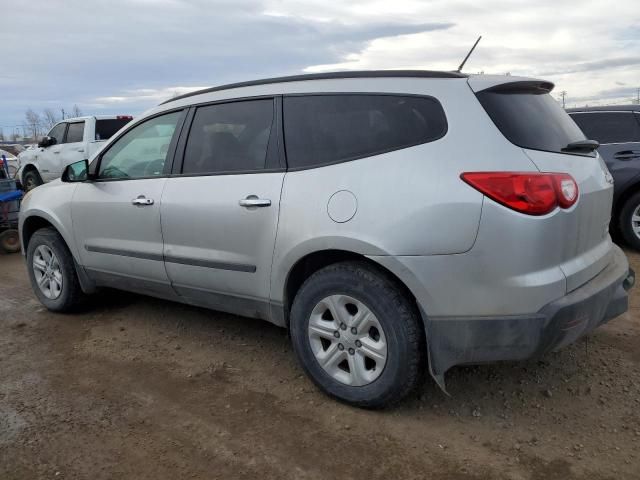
{"x": 135, "y": 387}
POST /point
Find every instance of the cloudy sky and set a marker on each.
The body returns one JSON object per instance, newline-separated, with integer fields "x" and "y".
{"x": 122, "y": 56}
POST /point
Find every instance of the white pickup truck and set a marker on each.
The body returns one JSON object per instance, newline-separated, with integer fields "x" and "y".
{"x": 67, "y": 142}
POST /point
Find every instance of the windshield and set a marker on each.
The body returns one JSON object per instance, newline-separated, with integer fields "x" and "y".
{"x": 530, "y": 118}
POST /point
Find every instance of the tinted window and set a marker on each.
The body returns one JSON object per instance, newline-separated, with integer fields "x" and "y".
{"x": 75, "y": 132}
{"x": 57, "y": 132}
{"x": 229, "y": 137}
{"x": 530, "y": 118}
{"x": 142, "y": 151}
{"x": 105, "y": 129}
{"x": 321, "y": 129}
{"x": 609, "y": 127}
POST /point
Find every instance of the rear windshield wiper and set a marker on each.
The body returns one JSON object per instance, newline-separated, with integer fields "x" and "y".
{"x": 581, "y": 146}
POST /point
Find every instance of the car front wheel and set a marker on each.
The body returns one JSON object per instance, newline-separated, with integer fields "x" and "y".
{"x": 52, "y": 271}
{"x": 31, "y": 180}
{"x": 357, "y": 335}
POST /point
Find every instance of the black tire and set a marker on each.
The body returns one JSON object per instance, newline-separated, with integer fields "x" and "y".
{"x": 9, "y": 241}
{"x": 71, "y": 295}
{"x": 397, "y": 315}
{"x": 31, "y": 179}
{"x": 625, "y": 223}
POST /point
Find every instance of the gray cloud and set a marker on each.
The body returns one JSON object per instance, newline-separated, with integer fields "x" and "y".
{"x": 81, "y": 52}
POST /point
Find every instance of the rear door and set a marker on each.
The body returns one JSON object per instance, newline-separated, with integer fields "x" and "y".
{"x": 529, "y": 117}
{"x": 72, "y": 148}
{"x": 220, "y": 211}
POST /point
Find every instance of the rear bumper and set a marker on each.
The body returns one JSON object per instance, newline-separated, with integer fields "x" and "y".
{"x": 467, "y": 340}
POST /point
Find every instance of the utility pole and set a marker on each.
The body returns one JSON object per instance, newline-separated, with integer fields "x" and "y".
{"x": 563, "y": 94}
{"x": 62, "y": 110}
{"x": 638, "y": 96}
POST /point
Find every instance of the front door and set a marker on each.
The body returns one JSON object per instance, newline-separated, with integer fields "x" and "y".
{"x": 116, "y": 217}
{"x": 48, "y": 158}
{"x": 220, "y": 214}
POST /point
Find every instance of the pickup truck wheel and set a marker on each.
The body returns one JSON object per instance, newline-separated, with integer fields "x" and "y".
{"x": 31, "y": 180}
{"x": 9, "y": 241}
{"x": 52, "y": 271}
{"x": 357, "y": 335}
{"x": 629, "y": 221}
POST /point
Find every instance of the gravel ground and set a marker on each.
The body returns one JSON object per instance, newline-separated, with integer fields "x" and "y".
{"x": 141, "y": 388}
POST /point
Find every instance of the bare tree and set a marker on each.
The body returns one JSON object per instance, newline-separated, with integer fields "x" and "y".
{"x": 1, "y": 135}
{"x": 32, "y": 123}
{"x": 76, "y": 112}
{"x": 49, "y": 118}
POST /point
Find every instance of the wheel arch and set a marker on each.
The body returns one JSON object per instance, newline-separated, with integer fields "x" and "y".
{"x": 31, "y": 224}
{"x": 313, "y": 261}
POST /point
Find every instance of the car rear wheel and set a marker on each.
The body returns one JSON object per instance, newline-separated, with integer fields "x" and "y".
{"x": 357, "y": 335}
{"x": 52, "y": 271}
{"x": 629, "y": 221}
{"x": 31, "y": 180}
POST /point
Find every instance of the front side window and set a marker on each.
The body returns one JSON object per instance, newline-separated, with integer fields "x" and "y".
{"x": 142, "y": 151}
{"x": 57, "y": 132}
{"x": 322, "y": 129}
{"x": 229, "y": 137}
{"x": 75, "y": 132}
{"x": 609, "y": 127}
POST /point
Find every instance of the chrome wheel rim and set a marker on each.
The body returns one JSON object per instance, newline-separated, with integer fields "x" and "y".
{"x": 347, "y": 340}
{"x": 635, "y": 221}
{"x": 47, "y": 272}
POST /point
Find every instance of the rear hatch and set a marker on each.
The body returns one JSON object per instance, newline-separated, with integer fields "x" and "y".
{"x": 529, "y": 117}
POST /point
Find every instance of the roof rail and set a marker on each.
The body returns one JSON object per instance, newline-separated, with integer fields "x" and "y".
{"x": 327, "y": 76}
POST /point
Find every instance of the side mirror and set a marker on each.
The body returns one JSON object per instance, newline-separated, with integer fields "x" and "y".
{"x": 47, "y": 142}
{"x": 76, "y": 172}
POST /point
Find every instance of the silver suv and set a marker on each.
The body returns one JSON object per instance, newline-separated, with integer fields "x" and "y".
{"x": 390, "y": 220}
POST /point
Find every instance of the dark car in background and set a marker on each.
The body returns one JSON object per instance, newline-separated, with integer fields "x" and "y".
{"x": 617, "y": 128}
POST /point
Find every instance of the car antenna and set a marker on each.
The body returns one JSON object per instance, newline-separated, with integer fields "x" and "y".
{"x": 468, "y": 54}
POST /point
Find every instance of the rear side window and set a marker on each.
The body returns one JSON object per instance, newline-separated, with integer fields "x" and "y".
{"x": 529, "y": 117}
{"x": 229, "y": 137}
{"x": 105, "y": 129}
{"x": 75, "y": 132}
{"x": 609, "y": 127}
{"x": 323, "y": 129}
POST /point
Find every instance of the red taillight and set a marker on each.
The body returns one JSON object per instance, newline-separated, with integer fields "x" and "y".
{"x": 530, "y": 193}
{"x": 124, "y": 117}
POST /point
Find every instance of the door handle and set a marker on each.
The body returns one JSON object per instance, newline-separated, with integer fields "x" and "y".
{"x": 254, "y": 201}
{"x": 142, "y": 201}
{"x": 627, "y": 155}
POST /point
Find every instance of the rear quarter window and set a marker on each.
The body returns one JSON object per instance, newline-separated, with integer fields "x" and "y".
{"x": 325, "y": 129}
{"x": 105, "y": 129}
{"x": 530, "y": 117}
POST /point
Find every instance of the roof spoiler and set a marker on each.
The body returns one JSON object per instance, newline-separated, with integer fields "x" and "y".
{"x": 535, "y": 87}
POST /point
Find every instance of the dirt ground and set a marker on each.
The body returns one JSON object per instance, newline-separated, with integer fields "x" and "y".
{"x": 141, "y": 388}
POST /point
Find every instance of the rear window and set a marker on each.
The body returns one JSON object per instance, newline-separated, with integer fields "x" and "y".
{"x": 609, "y": 127}
{"x": 105, "y": 129}
{"x": 323, "y": 129}
{"x": 529, "y": 117}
